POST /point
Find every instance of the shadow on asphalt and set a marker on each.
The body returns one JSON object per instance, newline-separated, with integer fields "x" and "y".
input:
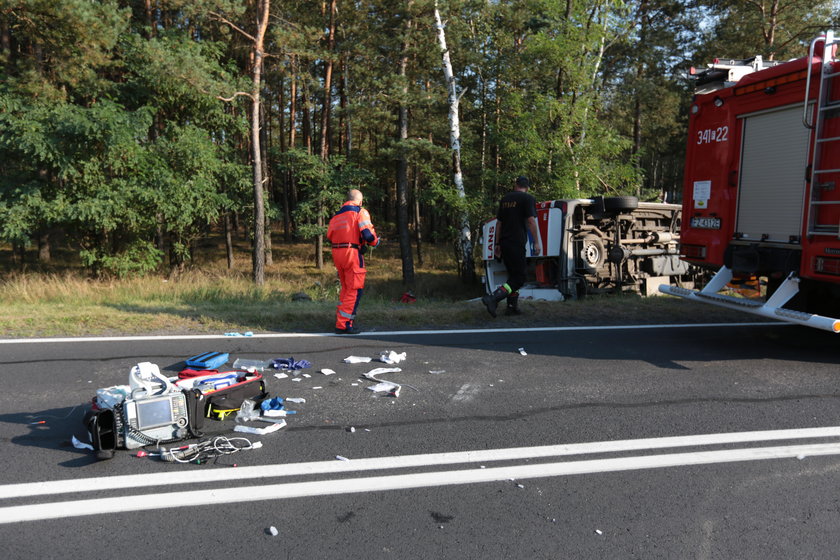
{"x": 53, "y": 429}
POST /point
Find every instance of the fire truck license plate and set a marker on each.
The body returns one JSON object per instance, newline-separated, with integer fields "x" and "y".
{"x": 705, "y": 223}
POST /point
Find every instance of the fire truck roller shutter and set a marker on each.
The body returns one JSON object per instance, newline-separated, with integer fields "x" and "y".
{"x": 773, "y": 160}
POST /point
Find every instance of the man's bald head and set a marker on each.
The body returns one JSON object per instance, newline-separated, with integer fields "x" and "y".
{"x": 354, "y": 195}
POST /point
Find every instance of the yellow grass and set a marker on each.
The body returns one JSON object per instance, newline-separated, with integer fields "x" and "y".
{"x": 210, "y": 299}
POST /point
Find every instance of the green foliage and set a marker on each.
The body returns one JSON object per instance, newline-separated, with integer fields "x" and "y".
{"x": 114, "y": 133}
{"x": 324, "y": 185}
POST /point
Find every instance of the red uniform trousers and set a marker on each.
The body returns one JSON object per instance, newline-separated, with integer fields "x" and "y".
{"x": 350, "y": 265}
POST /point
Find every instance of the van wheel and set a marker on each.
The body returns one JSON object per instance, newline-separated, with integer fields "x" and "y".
{"x": 592, "y": 253}
{"x": 621, "y": 203}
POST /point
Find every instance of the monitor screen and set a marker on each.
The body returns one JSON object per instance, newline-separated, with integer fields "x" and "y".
{"x": 153, "y": 413}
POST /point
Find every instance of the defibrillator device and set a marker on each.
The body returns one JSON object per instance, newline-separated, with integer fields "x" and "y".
{"x": 154, "y": 409}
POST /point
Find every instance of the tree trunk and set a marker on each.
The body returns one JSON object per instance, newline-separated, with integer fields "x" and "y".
{"x": 325, "y": 126}
{"x": 402, "y": 165}
{"x": 290, "y": 178}
{"x": 265, "y": 139}
{"x": 228, "y": 241}
{"x": 467, "y": 271}
{"x": 44, "y": 255}
{"x": 347, "y": 128}
{"x": 418, "y": 230}
{"x": 256, "y": 152}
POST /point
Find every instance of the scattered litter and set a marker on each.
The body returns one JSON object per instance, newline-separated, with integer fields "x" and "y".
{"x": 296, "y": 378}
{"x": 599, "y": 531}
{"x": 258, "y": 365}
{"x": 408, "y": 297}
{"x": 247, "y": 411}
{"x": 523, "y": 352}
{"x": 260, "y": 431}
{"x": 38, "y": 422}
{"x": 437, "y": 371}
{"x": 277, "y": 413}
{"x": 266, "y": 418}
{"x": 391, "y": 357}
{"x": 354, "y": 384}
{"x": 317, "y": 387}
{"x": 383, "y": 387}
{"x": 395, "y": 392}
{"x": 246, "y": 333}
{"x": 281, "y": 375}
{"x": 290, "y": 364}
{"x": 273, "y": 531}
{"x": 306, "y": 375}
{"x": 341, "y": 458}
{"x": 356, "y": 360}
{"x": 275, "y": 403}
{"x": 352, "y": 430}
{"x": 81, "y": 445}
{"x": 519, "y": 485}
{"x": 327, "y": 371}
{"x": 379, "y": 371}
{"x": 298, "y": 400}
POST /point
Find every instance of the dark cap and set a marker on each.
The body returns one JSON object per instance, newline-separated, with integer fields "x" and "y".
{"x": 523, "y": 182}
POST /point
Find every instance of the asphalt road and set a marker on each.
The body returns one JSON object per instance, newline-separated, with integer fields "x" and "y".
{"x": 553, "y": 454}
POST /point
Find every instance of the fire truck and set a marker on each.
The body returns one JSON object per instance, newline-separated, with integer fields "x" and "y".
{"x": 595, "y": 246}
{"x": 761, "y": 192}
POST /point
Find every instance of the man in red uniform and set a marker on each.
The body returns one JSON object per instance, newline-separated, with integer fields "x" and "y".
{"x": 350, "y": 230}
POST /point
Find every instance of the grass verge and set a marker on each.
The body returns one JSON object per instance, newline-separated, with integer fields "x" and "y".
{"x": 211, "y": 300}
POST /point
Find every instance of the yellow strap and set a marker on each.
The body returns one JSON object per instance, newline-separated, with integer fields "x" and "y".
{"x": 221, "y": 413}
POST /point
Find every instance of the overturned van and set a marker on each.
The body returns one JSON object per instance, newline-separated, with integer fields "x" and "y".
{"x": 598, "y": 245}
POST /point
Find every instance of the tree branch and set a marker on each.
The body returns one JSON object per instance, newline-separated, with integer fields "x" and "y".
{"x": 222, "y": 19}
{"x": 234, "y": 96}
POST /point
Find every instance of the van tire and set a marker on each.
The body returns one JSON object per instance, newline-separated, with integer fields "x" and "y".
{"x": 592, "y": 253}
{"x": 621, "y": 203}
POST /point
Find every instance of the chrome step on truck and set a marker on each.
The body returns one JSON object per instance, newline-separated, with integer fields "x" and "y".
{"x": 772, "y": 308}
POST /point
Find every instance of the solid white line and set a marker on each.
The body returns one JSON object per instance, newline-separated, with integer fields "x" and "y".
{"x": 78, "y": 508}
{"x": 403, "y": 461}
{"x": 377, "y": 333}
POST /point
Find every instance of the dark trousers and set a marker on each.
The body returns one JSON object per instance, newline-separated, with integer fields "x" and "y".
{"x": 514, "y": 258}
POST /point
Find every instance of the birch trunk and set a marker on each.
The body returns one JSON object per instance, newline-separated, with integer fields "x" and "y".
{"x": 465, "y": 238}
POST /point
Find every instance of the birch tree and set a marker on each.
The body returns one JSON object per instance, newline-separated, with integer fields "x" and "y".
{"x": 467, "y": 269}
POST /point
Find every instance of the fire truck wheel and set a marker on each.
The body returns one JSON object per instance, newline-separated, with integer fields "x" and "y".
{"x": 621, "y": 203}
{"x": 592, "y": 253}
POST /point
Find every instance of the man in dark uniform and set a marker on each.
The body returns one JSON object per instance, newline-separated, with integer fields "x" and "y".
{"x": 517, "y": 214}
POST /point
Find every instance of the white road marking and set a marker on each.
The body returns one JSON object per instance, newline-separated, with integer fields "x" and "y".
{"x": 404, "y": 461}
{"x": 14, "y": 514}
{"x": 376, "y": 333}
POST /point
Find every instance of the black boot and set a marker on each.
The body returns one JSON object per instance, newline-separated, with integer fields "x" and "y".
{"x": 491, "y": 301}
{"x": 513, "y": 305}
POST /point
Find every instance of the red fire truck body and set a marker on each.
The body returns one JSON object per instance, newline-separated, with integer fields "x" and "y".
{"x": 761, "y": 190}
